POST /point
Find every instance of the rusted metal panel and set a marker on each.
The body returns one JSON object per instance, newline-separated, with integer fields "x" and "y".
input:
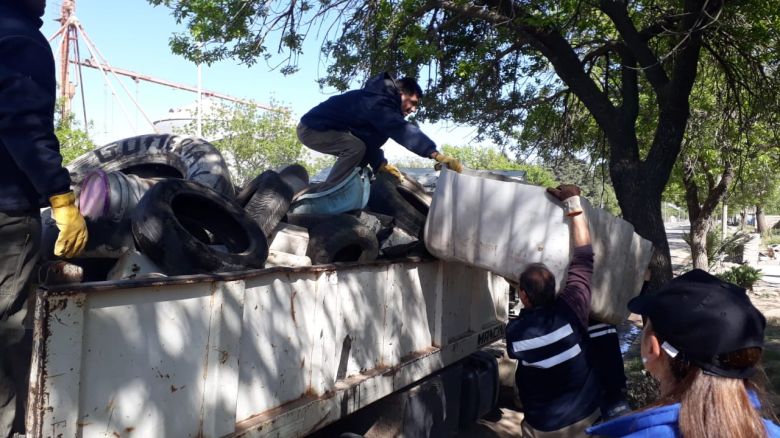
{"x": 270, "y": 352}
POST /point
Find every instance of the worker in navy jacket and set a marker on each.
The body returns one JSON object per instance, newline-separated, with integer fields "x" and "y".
{"x": 355, "y": 125}
{"x": 559, "y": 390}
{"x": 31, "y": 176}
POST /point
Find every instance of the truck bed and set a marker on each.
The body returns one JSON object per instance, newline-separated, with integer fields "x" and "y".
{"x": 271, "y": 352}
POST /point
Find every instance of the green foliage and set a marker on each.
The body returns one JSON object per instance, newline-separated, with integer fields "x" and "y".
{"x": 74, "y": 142}
{"x": 488, "y": 158}
{"x": 314, "y": 164}
{"x": 732, "y": 247}
{"x": 607, "y": 79}
{"x": 252, "y": 140}
{"x": 593, "y": 179}
{"x": 771, "y": 238}
{"x": 415, "y": 163}
{"x": 743, "y": 275}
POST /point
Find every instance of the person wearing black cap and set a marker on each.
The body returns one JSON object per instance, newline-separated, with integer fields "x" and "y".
{"x": 702, "y": 340}
{"x": 559, "y": 389}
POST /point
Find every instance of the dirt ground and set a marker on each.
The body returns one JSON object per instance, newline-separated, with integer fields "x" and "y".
{"x": 505, "y": 421}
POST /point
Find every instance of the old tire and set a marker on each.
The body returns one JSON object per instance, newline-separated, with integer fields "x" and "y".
{"x": 159, "y": 155}
{"x": 297, "y": 177}
{"x": 341, "y": 238}
{"x": 181, "y": 226}
{"x": 268, "y": 201}
{"x": 407, "y": 202}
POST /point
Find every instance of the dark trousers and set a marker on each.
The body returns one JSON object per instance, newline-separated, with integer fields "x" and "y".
{"x": 607, "y": 362}
{"x": 348, "y": 150}
{"x": 20, "y": 238}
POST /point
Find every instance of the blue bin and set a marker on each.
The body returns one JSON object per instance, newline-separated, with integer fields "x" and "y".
{"x": 350, "y": 194}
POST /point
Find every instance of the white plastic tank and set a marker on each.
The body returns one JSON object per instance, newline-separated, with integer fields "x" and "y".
{"x": 503, "y": 225}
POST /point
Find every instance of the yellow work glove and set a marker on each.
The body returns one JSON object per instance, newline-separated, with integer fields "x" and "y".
{"x": 450, "y": 162}
{"x": 73, "y": 229}
{"x": 392, "y": 170}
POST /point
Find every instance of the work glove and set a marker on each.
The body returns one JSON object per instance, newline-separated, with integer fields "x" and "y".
{"x": 569, "y": 194}
{"x": 450, "y": 162}
{"x": 73, "y": 229}
{"x": 392, "y": 170}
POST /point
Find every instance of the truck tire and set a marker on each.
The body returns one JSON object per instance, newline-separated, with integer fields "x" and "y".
{"x": 341, "y": 238}
{"x": 407, "y": 202}
{"x": 186, "y": 228}
{"x": 268, "y": 202}
{"x": 297, "y": 177}
{"x": 158, "y": 155}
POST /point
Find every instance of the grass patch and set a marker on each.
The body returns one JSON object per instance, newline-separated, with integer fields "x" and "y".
{"x": 771, "y": 361}
{"x": 771, "y": 238}
{"x": 642, "y": 388}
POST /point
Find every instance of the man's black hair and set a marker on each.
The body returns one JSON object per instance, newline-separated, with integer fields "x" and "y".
{"x": 539, "y": 284}
{"x": 410, "y": 86}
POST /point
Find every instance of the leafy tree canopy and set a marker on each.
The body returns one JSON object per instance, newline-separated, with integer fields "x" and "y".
{"x": 490, "y": 63}
{"x": 252, "y": 139}
{"x": 74, "y": 141}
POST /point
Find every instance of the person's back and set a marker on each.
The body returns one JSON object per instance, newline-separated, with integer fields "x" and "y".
{"x": 557, "y": 386}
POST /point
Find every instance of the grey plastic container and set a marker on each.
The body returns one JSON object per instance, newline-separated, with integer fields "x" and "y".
{"x": 503, "y": 225}
{"x": 111, "y": 195}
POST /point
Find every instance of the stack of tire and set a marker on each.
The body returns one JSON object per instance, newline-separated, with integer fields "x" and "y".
{"x": 171, "y": 198}
{"x": 395, "y": 208}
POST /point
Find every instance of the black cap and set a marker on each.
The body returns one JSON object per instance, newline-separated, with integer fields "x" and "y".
{"x": 702, "y": 317}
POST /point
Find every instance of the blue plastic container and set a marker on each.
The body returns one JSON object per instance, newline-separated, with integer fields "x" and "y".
{"x": 350, "y": 194}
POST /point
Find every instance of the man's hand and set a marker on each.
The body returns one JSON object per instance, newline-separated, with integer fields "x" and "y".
{"x": 73, "y": 229}
{"x": 569, "y": 194}
{"x": 392, "y": 170}
{"x": 451, "y": 162}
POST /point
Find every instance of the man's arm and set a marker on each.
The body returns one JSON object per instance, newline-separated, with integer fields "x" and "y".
{"x": 387, "y": 118}
{"x": 577, "y": 291}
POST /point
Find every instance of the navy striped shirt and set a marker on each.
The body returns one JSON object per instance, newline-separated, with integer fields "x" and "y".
{"x": 556, "y": 382}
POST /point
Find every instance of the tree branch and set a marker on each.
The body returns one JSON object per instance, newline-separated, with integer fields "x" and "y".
{"x": 553, "y": 46}
{"x": 691, "y": 189}
{"x": 637, "y": 44}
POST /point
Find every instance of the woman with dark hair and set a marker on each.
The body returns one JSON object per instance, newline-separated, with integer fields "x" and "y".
{"x": 702, "y": 340}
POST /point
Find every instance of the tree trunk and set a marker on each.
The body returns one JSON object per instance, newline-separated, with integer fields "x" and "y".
{"x": 761, "y": 227}
{"x": 743, "y": 219}
{"x": 644, "y": 213}
{"x": 699, "y": 257}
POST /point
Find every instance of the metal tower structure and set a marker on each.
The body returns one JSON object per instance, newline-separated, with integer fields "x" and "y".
{"x": 69, "y": 53}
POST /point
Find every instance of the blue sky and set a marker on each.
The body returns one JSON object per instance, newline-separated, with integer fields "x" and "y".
{"x": 133, "y": 35}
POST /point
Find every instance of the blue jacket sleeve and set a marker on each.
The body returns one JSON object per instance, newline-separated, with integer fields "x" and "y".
{"x": 387, "y": 118}
{"x": 27, "y": 113}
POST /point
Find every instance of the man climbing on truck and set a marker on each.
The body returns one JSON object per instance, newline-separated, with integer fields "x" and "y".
{"x": 355, "y": 125}
{"x": 559, "y": 390}
{"x": 31, "y": 176}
